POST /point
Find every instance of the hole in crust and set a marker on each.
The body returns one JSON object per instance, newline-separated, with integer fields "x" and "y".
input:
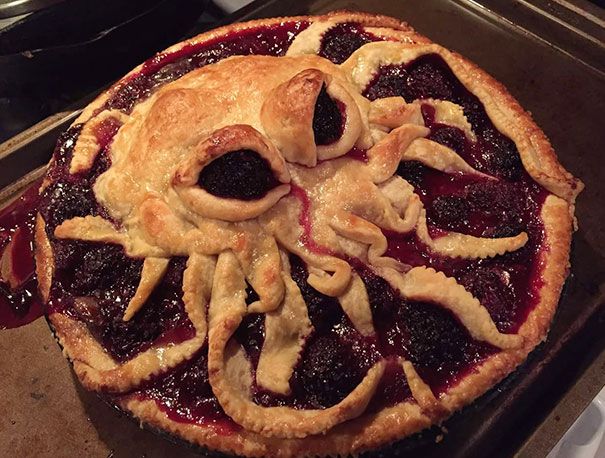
{"x": 241, "y": 174}
{"x": 342, "y": 40}
{"x": 328, "y": 119}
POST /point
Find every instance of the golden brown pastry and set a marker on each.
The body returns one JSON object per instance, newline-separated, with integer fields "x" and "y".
{"x": 302, "y": 236}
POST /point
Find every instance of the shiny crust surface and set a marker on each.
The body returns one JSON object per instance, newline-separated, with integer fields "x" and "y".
{"x": 342, "y": 429}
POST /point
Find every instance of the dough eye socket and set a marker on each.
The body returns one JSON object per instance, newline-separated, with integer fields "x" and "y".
{"x": 241, "y": 174}
{"x": 328, "y": 119}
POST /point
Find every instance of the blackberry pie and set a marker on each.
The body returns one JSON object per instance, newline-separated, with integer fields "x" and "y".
{"x": 302, "y": 236}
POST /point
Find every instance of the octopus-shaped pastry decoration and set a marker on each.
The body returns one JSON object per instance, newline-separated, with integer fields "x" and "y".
{"x": 325, "y": 194}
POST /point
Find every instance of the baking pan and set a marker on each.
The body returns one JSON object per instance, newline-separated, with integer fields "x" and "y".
{"x": 554, "y": 65}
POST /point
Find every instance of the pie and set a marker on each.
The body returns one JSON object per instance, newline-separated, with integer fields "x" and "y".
{"x": 302, "y": 236}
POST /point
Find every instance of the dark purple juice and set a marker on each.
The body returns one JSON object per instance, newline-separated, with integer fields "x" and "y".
{"x": 185, "y": 395}
{"x": 94, "y": 282}
{"x": 19, "y": 301}
{"x": 169, "y": 66}
{"x": 342, "y": 40}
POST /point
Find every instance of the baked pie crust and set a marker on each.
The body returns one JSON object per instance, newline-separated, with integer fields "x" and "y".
{"x": 332, "y": 203}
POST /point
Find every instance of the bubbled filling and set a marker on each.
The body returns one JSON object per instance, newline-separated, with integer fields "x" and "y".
{"x": 185, "y": 395}
{"x": 342, "y": 40}
{"x": 335, "y": 357}
{"x": 241, "y": 174}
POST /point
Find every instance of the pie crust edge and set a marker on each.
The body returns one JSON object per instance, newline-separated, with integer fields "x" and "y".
{"x": 369, "y": 430}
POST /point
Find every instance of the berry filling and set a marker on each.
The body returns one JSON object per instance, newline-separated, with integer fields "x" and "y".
{"x": 342, "y": 40}
{"x": 393, "y": 388}
{"x": 19, "y": 301}
{"x": 94, "y": 283}
{"x": 426, "y": 334}
{"x": 185, "y": 395}
{"x": 241, "y": 174}
{"x": 474, "y": 205}
{"x": 335, "y": 357}
{"x": 429, "y": 76}
{"x": 69, "y": 196}
{"x": 166, "y": 67}
{"x": 328, "y": 119}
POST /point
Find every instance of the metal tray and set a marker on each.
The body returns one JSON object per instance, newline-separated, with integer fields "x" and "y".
{"x": 553, "y": 61}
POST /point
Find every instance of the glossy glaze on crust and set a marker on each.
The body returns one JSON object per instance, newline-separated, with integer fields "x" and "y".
{"x": 423, "y": 375}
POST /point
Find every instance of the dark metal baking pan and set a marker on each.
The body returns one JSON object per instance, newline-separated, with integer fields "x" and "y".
{"x": 537, "y": 57}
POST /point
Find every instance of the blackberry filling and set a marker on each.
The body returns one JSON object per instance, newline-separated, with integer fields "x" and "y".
{"x": 241, "y": 174}
{"x": 185, "y": 394}
{"x": 484, "y": 208}
{"x": 426, "y": 334}
{"x": 95, "y": 282}
{"x": 335, "y": 358}
{"x": 429, "y": 76}
{"x": 167, "y": 67}
{"x": 328, "y": 119}
{"x": 19, "y": 301}
{"x": 393, "y": 388}
{"x": 342, "y": 40}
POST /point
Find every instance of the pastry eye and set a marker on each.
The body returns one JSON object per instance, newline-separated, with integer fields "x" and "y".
{"x": 234, "y": 174}
{"x": 241, "y": 174}
{"x": 328, "y": 119}
{"x": 312, "y": 116}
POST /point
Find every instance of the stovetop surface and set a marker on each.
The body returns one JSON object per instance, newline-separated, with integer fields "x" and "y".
{"x": 55, "y": 57}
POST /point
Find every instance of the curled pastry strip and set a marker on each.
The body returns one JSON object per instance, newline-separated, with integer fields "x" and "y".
{"x": 319, "y": 264}
{"x": 330, "y": 284}
{"x": 423, "y": 394}
{"x": 220, "y": 142}
{"x": 99, "y": 371}
{"x": 395, "y": 208}
{"x": 356, "y": 304}
{"x": 450, "y": 114}
{"x": 152, "y": 274}
{"x": 363, "y": 64}
{"x": 385, "y": 156}
{"x": 360, "y": 230}
{"x": 438, "y": 157}
{"x": 285, "y": 332}
{"x": 426, "y": 284}
{"x": 391, "y": 112}
{"x": 230, "y": 373}
{"x": 259, "y": 258}
{"x": 391, "y": 211}
{"x": 404, "y": 200}
{"x": 91, "y": 139}
{"x": 309, "y": 40}
{"x": 456, "y": 245}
